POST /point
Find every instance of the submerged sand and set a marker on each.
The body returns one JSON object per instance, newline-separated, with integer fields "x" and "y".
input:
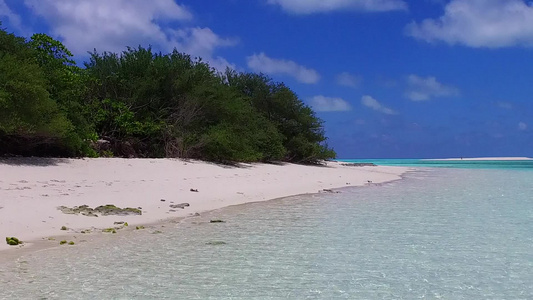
{"x": 31, "y": 190}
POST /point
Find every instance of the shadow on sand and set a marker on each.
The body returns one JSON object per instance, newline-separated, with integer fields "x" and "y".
{"x": 32, "y": 161}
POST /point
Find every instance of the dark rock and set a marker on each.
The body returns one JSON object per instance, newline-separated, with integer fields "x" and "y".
{"x": 217, "y": 221}
{"x": 127, "y": 150}
{"x": 181, "y": 205}
{"x": 194, "y": 190}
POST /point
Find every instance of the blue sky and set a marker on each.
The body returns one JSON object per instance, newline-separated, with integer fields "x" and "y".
{"x": 390, "y": 78}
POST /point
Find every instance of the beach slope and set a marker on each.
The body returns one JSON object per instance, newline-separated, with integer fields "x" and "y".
{"x": 32, "y": 189}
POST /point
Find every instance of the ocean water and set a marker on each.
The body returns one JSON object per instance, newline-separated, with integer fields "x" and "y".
{"x": 460, "y": 164}
{"x": 437, "y": 234}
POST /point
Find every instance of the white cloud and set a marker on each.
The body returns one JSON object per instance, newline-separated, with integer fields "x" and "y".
{"x": 201, "y": 42}
{"x": 375, "y": 105}
{"x": 522, "y": 126}
{"x": 319, "y": 6}
{"x": 479, "y": 23}
{"x": 106, "y": 25}
{"x": 264, "y": 64}
{"x": 12, "y": 17}
{"x": 422, "y": 89}
{"x": 321, "y": 103}
{"x": 349, "y": 80}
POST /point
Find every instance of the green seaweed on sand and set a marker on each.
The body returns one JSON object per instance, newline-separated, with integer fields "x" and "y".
{"x": 13, "y": 241}
{"x": 216, "y": 243}
{"x": 103, "y": 210}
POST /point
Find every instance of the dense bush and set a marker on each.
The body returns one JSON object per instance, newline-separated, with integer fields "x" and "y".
{"x": 145, "y": 104}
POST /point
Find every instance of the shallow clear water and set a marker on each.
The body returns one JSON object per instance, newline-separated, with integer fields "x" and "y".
{"x": 460, "y": 164}
{"x": 438, "y": 234}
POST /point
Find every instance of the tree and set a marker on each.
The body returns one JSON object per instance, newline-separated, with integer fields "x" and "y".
{"x": 29, "y": 118}
{"x": 66, "y": 84}
{"x": 303, "y": 133}
{"x": 147, "y": 104}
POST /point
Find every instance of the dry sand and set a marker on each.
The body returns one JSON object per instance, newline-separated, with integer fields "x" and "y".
{"x": 32, "y": 189}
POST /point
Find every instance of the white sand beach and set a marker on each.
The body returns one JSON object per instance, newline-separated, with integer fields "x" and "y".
{"x": 31, "y": 190}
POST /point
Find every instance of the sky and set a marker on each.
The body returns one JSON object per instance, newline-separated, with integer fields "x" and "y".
{"x": 390, "y": 78}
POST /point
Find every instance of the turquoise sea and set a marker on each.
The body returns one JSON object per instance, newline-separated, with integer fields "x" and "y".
{"x": 440, "y": 233}
{"x": 461, "y": 164}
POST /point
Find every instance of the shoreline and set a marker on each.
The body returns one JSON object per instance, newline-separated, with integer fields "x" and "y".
{"x": 32, "y": 189}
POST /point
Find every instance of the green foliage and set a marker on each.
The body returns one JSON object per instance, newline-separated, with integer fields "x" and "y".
{"x": 25, "y": 105}
{"x": 216, "y": 243}
{"x": 304, "y": 139}
{"x": 13, "y": 241}
{"x": 33, "y": 120}
{"x": 144, "y": 104}
{"x": 109, "y": 230}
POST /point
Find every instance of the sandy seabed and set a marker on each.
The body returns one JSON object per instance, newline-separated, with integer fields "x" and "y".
{"x": 32, "y": 189}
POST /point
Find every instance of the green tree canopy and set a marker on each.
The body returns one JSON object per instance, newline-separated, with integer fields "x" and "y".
{"x": 143, "y": 103}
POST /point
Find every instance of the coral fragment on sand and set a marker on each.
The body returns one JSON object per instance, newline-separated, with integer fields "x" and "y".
{"x": 103, "y": 210}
